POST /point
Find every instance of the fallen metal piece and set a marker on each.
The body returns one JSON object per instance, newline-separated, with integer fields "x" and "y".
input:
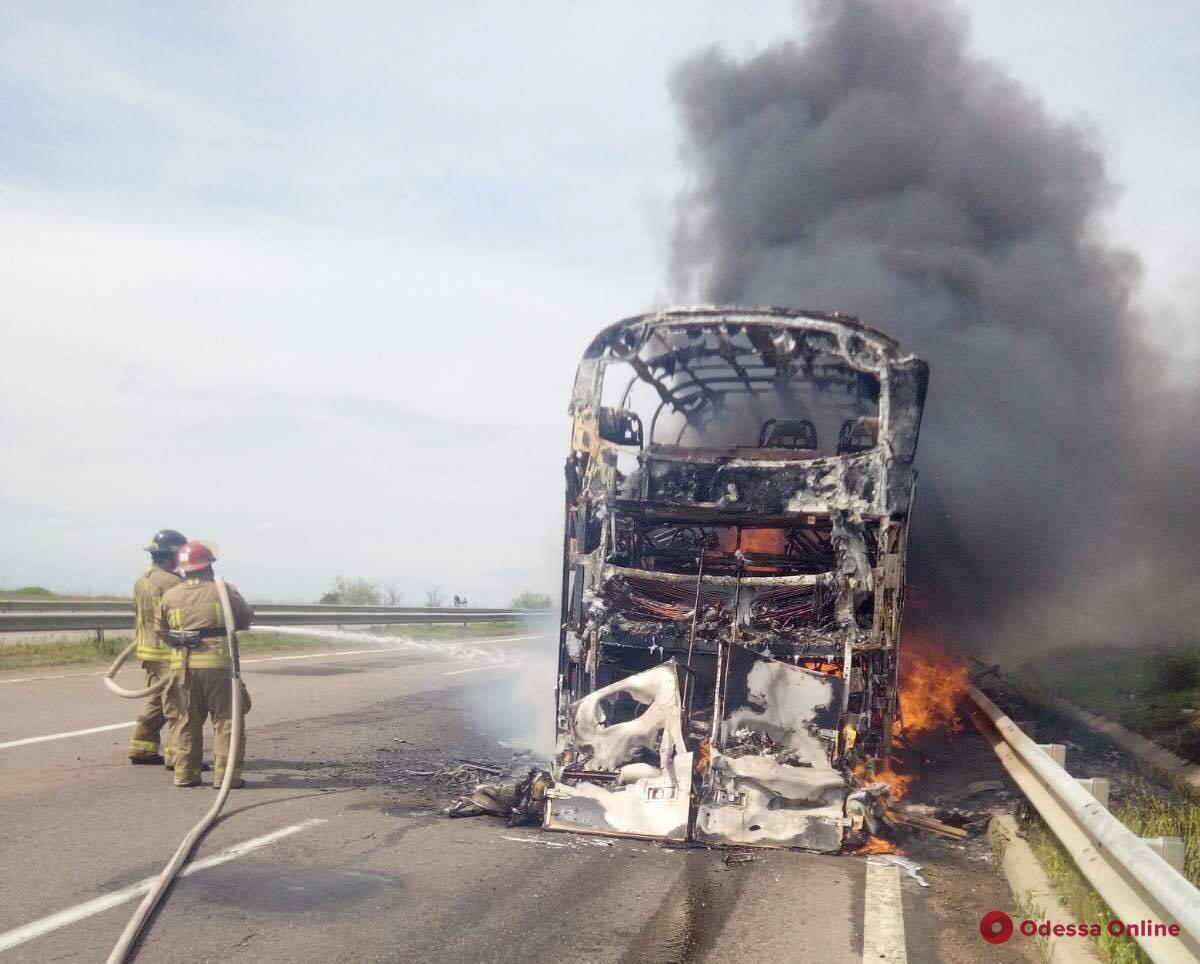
{"x": 910, "y": 867}
{"x": 739, "y": 857}
{"x": 481, "y": 767}
{"x": 928, "y": 823}
{"x": 463, "y": 808}
{"x": 529, "y": 798}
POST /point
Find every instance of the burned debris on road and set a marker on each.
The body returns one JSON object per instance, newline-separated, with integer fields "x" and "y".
{"x": 738, "y": 496}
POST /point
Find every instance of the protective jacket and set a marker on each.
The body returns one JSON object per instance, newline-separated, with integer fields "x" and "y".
{"x": 147, "y": 596}
{"x": 192, "y": 612}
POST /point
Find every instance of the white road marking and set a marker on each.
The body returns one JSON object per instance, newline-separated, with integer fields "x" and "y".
{"x": 71, "y": 915}
{"x": 64, "y": 736}
{"x": 883, "y": 917}
{"x": 480, "y": 669}
{"x": 31, "y": 679}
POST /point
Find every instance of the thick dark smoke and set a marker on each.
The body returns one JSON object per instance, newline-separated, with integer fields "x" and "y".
{"x": 877, "y": 167}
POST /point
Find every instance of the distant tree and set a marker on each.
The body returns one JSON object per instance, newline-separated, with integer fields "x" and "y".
{"x": 352, "y": 592}
{"x": 37, "y": 592}
{"x": 532, "y": 600}
{"x": 434, "y": 597}
{"x": 392, "y": 594}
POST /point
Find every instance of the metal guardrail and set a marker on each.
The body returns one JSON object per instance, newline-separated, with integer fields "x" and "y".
{"x": 1134, "y": 880}
{"x": 265, "y": 616}
{"x": 65, "y": 605}
{"x": 126, "y": 605}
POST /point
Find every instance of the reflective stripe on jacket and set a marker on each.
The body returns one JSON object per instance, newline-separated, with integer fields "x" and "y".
{"x": 195, "y": 604}
{"x": 147, "y": 597}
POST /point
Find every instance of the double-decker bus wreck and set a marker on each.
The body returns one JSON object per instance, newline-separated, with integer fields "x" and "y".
{"x": 738, "y": 496}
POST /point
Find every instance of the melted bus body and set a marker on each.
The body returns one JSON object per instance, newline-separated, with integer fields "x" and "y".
{"x": 738, "y": 493}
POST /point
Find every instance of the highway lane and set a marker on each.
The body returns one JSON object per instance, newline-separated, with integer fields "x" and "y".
{"x": 368, "y": 868}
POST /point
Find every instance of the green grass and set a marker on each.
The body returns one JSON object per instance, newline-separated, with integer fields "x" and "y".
{"x": 23, "y": 656}
{"x": 89, "y": 652}
{"x": 1085, "y": 904}
{"x": 1149, "y": 814}
{"x": 1146, "y": 811}
{"x": 41, "y": 592}
{"x": 1152, "y": 692}
{"x": 61, "y": 653}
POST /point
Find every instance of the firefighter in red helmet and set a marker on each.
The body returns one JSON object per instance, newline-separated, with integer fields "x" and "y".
{"x": 192, "y": 621}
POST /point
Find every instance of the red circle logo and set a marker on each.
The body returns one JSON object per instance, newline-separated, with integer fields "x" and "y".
{"x": 996, "y": 927}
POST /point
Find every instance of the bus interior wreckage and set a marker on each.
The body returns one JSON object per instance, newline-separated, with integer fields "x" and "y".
{"x": 737, "y": 501}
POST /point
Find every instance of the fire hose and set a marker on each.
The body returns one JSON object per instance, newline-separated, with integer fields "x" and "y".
{"x": 120, "y": 690}
{"x": 128, "y": 936}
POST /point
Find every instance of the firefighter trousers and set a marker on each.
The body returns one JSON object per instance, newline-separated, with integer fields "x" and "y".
{"x": 195, "y": 695}
{"x": 153, "y": 718}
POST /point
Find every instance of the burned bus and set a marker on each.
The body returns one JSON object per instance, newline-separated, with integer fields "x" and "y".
{"x": 738, "y": 493}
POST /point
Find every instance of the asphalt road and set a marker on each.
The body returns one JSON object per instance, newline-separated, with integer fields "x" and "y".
{"x": 336, "y": 850}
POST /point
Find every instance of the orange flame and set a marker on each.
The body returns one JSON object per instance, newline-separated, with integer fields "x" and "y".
{"x": 898, "y": 781}
{"x": 877, "y": 845}
{"x": 821, "y": 666}
{"x": 932, "y": 680}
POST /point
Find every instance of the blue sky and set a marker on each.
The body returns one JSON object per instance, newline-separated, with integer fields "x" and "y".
{"x": 312, "y": 281}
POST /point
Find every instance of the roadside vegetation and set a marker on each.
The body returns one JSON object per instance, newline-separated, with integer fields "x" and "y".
{"x": 93, "y": 652}
{"x": 96, "y": 653}
{"x": 1152, "y": 692}
{"x": 41, "y": 592}
{"x": 360, "y": 591}
{"x": 532, "y": 600}
{"x": 1085, "y": 904}
{"x": 1148, "y": 811}
{"x": 353, "y": 592}
{"x": 62, "y": 652}
{"x": 85, "y": 649}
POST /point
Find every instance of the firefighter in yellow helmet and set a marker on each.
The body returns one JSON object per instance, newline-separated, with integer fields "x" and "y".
{"x": 191, "y": 620}
{"x": 154, "y": 654}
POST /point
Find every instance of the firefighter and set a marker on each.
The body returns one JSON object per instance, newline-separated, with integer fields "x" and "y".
{"x": 153, "y": 652}
{"x": 191, "y": 619}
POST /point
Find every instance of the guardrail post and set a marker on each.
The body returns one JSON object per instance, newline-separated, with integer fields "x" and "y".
{"x": 1098, "y": 787}
{"x": 1056, "y": 751}
{"x": 1169, "y": 848}
{"x": 99, "y": 637}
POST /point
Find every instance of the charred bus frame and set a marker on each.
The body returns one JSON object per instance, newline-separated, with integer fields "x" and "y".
{"x": 738, "y": 494}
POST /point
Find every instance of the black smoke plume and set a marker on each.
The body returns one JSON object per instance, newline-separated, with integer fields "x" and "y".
{"x": 876, "y": 166}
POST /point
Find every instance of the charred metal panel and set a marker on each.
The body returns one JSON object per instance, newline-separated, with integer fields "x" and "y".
{"x": 630, "y": 777}
{"x": 738, "y": 496}
{"x": 771, "y": 782}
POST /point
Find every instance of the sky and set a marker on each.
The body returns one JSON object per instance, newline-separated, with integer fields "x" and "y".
{"x": 311, "y": 283}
